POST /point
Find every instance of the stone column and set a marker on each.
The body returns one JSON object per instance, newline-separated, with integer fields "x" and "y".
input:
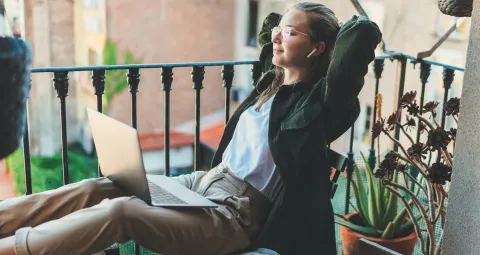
{"x": 462, "y": 233}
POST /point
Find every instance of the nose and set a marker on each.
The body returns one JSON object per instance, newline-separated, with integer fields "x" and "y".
{"x": 276, "y": 38}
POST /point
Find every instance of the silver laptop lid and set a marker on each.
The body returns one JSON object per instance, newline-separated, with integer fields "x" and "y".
{"x": 119, "y": 154}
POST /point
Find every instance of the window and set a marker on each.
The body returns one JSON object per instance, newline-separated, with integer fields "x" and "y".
{"x": 91, "y": 3}
{"x": 92, "y": 24}
{"x": 252, "y": 23}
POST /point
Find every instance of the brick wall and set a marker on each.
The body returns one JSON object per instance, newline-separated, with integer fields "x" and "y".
{"x": 162, "y": 31}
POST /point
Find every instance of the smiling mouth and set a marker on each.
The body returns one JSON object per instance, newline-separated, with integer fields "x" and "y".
{"x": 277, "y": 51}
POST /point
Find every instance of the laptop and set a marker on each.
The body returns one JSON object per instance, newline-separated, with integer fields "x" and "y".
{"x": 120, "y": 158}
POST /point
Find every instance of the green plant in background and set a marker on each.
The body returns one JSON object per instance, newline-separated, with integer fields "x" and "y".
{"x": 116, "y": 80}
{"x": 47, "y": 171}
{"x": 377, "y": 208}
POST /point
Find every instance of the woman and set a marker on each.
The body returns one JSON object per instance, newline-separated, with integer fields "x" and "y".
{"x": 271, "y": 175}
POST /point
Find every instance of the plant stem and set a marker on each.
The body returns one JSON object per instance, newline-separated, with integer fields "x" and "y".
{"x": 455, "y": 118}
{"x": 405, "y": 153}
{"x": 423, "y": 164}
{"x": 432, "y": 216}
{"x": 411, "y": 215}
{"x": 444, "y": 192}
{"x": 408, "y": 161}
{"x": 448, "y": 159}
{"x": 405, "y": 132}
{"x": 442, "y": 200}
{"x": 401, "y": 157}
{"x": 428, "y": 222}
{"x": 420, "y": 117}
{"x": 435, "y": 121}
{"x": 442, "y": 218}
{"x": 438, "y": 249}
{"x": 416, "y": 182}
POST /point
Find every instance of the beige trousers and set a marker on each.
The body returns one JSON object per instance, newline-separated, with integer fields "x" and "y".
{"x": 89, "y": 216}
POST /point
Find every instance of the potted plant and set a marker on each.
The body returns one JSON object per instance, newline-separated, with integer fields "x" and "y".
{"x": 433, "y": 174}
{"x": 377, "y": 217}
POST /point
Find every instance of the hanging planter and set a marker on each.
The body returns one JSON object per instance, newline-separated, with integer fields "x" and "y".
{"x": 15, "y": 59}
{"x": 457, "y": 8}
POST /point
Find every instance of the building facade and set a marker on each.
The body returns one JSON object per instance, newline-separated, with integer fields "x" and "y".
{"x": 68, "y": 33}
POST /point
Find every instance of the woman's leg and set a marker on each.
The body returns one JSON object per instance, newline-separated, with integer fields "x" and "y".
{"x": 36, "y": 209}
{"x": 163, "y": 230}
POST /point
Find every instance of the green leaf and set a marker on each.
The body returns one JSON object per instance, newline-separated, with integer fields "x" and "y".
{"x": 405, "y": 229}
{"x": 360, "y": 206}
{"x": 368, "y": 231}
{"x": 389, "y": 231}
{"x": 372, "y": 203}
{"x": 116, "y": 80}
{"x": 391, "y": 206}
{"x": 361, "y": 196}
{"x": 129, "y": 58}
{"x": 379, "y": 191}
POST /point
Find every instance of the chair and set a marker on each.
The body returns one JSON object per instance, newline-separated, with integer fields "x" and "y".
{"x": 368, "y": 247}
{"x": 338, "y": 163}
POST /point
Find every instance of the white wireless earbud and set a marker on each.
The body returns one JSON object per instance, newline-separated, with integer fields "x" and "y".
{"x": 311, "y": 53}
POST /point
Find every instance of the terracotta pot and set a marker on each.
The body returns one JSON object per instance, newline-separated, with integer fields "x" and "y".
{"x": 350, "y": 240}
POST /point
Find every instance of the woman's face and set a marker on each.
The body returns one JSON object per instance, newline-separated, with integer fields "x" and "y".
{"x": 291, "y": 44}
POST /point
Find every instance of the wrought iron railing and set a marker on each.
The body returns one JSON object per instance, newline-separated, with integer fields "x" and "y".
{"x": 378, "y": 67}
{"x": 61, "y": 85}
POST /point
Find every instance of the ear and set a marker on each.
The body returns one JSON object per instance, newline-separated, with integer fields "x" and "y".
{"x": 320, "y": 48}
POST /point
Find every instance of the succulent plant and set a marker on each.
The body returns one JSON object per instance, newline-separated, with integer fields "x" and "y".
{"x": 376, "y": 206}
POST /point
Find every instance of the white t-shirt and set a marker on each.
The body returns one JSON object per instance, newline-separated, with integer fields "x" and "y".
{"x": 248, "y": 154}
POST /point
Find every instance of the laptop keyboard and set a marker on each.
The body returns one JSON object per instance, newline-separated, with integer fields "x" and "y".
{"x": 161, "y": 196}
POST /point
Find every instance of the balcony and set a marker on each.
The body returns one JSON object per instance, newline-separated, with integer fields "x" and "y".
{"x": 353, "y": 143}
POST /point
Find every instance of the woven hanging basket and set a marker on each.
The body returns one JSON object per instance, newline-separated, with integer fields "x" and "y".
{"x": 15, "y": 59}
{"x": 457, "y": 8}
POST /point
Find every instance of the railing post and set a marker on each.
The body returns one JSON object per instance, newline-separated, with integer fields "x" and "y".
{"x": 60, "y": 82}
{"x": 425, "y": 70}
{"x": 378, "y": 69}
{"x": 448, "y": 75}
{"x": 197, "y": 73}
{"x": 256, "y": 73}
{"x": 26, "y": 150}
{"x": 227, "y": 77}
{"x": 98, "y": 82}
{"x": 167, "y": 79}
{"x": 401, "y": 70}
{"x": 350, "y": 166}
{"x": 133, "y": 79}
